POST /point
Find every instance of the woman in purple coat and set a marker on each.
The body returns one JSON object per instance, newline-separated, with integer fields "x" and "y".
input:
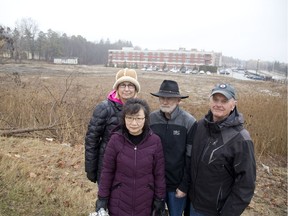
{"x": 133, "y": 177}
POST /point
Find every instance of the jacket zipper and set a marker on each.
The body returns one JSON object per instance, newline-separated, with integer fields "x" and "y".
{"x": 135, "y": 164}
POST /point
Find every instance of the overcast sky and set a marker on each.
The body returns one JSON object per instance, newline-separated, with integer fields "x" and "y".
{"x": 244, "y": 29}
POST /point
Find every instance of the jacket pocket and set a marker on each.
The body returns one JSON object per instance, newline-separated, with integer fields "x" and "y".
{"x": 116, "y": 186}
{"x": 151, "y": 186}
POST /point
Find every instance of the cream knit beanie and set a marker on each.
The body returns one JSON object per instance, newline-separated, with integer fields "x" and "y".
{"x": 127, "y": 75}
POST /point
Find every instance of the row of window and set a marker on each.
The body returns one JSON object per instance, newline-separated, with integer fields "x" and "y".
{"x": 170, "y": 62}
{"x": 161, "y": 56}
{"x": 162, "y": 59}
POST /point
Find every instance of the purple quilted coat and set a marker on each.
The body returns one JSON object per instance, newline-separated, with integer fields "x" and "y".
{"x": 132, "y": 175}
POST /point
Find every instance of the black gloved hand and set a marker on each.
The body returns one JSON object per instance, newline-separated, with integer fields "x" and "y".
{"x": 159, "y": 206}
{"x": 92, "y": 176}
{"x": 101, "y": 203}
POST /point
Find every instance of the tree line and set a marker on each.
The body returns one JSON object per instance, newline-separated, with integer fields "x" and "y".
{"x": 31, "y": 43}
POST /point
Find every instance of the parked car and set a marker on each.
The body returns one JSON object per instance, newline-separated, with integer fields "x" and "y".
{"x": 174, "y": 70}
{"x": 183, "y": 70}
{"x": 224, "y": 71}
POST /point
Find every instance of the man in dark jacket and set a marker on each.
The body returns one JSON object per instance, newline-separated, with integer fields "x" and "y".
{"x": 176, "y": 129}
{"x": 223, "y": 170}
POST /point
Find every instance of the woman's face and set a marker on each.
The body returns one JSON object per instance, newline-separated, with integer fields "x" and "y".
{"x": 126, "y": 90}
{"x": 221, "y": 107}
{"x": 135, "y": 123}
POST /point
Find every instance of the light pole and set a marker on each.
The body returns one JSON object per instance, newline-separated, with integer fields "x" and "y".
{"x": 257, "y": 66}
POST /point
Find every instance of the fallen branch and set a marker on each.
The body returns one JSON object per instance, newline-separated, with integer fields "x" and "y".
{"x": 25, "y": 130}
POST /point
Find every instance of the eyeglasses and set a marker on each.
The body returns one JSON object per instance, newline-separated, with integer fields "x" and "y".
{"x": 123, "y": 86}
{"x": 130, "y": 119}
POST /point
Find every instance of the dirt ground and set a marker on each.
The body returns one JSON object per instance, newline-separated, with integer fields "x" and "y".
{"x": 271, "y": 191}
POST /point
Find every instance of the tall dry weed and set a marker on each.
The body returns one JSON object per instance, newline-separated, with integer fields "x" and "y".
{"x": 62, "y": 104}
{"x": 66, "y": 103}
{"x": 266, "y": 120}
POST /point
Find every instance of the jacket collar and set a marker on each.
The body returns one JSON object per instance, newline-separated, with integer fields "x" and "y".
{"x": 234, "y": 119}
{"x": 174, "y": 114}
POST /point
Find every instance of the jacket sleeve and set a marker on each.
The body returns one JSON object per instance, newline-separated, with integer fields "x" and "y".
{"x": 93, "y": 137}
{"x": 159, "y": 171}
{"x": 109, "y": 166}
{"x": 245, "y": 176}
{"x": 184, "y": 185}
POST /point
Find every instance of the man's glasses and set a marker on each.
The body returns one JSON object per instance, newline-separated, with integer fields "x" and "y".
{"x": 123, "y": 86}
{"x": 130, "y": 119}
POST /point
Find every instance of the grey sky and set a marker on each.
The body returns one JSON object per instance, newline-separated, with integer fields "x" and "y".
{"x": 244, "y": 29}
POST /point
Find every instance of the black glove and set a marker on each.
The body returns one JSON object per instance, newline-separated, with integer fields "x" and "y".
{"x": 92, "y": 176}
{"x": 101, "y": 203}
{"x": 159, "y": 206}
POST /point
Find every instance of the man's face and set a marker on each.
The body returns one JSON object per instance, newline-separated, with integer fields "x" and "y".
{"x": 168, "y": 104}
{"x": 221, "y": 107}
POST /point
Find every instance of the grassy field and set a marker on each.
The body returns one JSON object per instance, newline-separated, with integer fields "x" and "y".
{"x": 39, "y": 101}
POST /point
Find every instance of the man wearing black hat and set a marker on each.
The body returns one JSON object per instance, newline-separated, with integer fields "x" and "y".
{"x": 223, "y": 170}
{"x": 176, "y": 129}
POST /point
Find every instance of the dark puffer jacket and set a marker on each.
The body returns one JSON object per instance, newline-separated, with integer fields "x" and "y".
{"x": 104, "y": 119}
{"x": 132, "y": 175}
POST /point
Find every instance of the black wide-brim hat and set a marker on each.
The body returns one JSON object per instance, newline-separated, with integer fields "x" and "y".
{"x": 169, "y": 88}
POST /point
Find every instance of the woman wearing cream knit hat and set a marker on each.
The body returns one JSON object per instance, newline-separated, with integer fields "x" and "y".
{"x": 105, "y": 117}
{"x": 126, "y": 84}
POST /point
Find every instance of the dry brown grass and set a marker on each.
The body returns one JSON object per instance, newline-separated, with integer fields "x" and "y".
{"x": 46, "y": 176}
{"x": 49, "y": 176}
{"x": 64, "y": 96}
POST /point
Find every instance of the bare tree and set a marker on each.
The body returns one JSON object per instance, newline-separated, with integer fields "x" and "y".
{"x": 28, "y": 29}
{"x": 6, "y": 41}
{"x": 41, "y": 44}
